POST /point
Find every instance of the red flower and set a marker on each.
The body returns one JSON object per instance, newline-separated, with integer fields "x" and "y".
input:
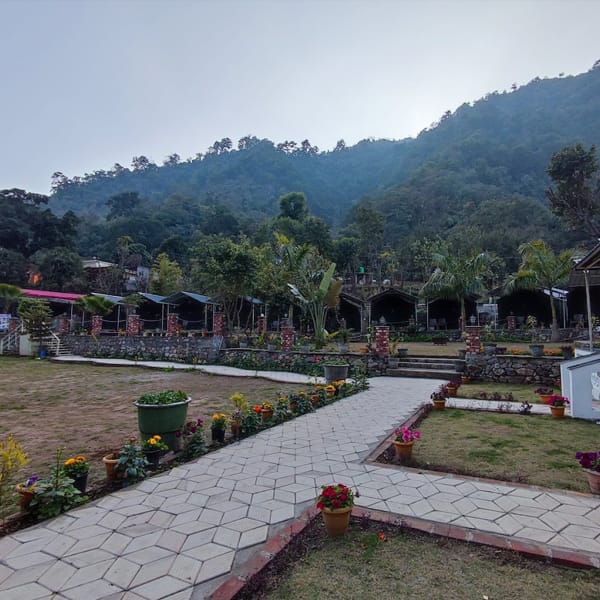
{"x": 257, "y": 409}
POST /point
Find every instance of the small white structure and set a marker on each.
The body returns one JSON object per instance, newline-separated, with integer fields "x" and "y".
{"x": 578, "y": 376}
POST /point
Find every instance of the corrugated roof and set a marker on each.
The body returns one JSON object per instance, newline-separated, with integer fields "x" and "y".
{"x": 52, "y": 296}
{"x": 180, "y": 296}
{"x": 109, "y": 297}
{"x": 152, "y": 297}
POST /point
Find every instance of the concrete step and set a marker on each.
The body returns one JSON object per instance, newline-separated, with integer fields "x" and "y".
{"x": 417, "y": 364}
{"x": 423, "y": 373}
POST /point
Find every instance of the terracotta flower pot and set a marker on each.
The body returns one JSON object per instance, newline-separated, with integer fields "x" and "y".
{"x": 110, "y": 462}
{"x": 25, "y": 496}
{"x": 236, "y": 429}
{"x": 451, "y": 391}
{"x": 403, "y": 450}
{"x": 545, "y": 398}
{"x": 593, "y": 480}
{"x": 558, "y": 412}
{"x": 336, "y": 520}
{"x": 266, "y": 414}
{"x": 439, "y": 404}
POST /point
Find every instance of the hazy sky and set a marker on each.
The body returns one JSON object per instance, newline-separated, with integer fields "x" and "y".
{"x": 89, "y": 83}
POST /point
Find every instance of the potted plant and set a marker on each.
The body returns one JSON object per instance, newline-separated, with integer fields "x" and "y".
{"x": 335, "y": 503}
{"x": 557, "y": 405}
{"x": 439, "y": 397}
{"x": 77, "y": 468}
{"x": 272, "y": 342}
{"x": 568, "y": 352}
{"x": 537, "y": 350}
{"x": 590, "y": 461}
{"x": 266, "y": 411}
{"x": 344, "y": 339}
{"x": 163, "y": 413}
{"x": 404, "y": 440}
{"x": 131, "y": 463}
{"x": 335, "y": 369}
{"x": 192, "y": 435}
{"x": 218, "y": 427}
{"x": 54, "y": 494}
{"x": 153, "y": 448}
{"x": 26, "y": 491}
{"x": 544, "y": 394}
{"x": 452, "y": 388}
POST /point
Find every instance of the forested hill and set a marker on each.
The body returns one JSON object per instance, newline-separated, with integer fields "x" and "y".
{"x": 497, "y": 147}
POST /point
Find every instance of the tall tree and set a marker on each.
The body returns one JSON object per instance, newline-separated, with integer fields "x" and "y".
{"x": 166, "y": 276}
{"x": 458, "y": 277}
{"x": 541, "y": 268}
{"x": 123, "y": 204}
{"x": 226, "y": 271}
{"x": 576, "y": 198}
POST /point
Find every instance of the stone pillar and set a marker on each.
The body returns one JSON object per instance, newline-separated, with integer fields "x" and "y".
{"x": 511, "y": 322}
{"x": 133, "y": 325}
{"x": 172, "y": 324}
{"x": 473, "y": 340}
{"x": 218, "y": 323}
{"x": 382, "y": 340}
{"x": 64, "y": 325}
{"x": 287, "y": 338}
{"x": 96, "y": 324}
{"x": 262, "y": 325}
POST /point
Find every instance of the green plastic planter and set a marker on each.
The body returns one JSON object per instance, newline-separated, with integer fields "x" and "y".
{"x": 335, "y": 372}
{"x": 164, "y": 419}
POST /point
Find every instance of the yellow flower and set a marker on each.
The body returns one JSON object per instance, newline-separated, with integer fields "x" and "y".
{"x": 152, "y": 441}
{"x": 157, "y": 437}
{"x": 70, "y": 461}
{"x": 215, "y": 417}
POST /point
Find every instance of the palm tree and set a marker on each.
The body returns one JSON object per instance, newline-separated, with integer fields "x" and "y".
{"x": 458, "y": 277}
{"x": 541, "y": 268}
{"x": 9, "y": 294}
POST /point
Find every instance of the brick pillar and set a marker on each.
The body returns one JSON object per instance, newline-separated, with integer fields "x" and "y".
{"x": 473, "y": 340}
{"x": 382, "y": 340}
{"x": 287, "y": 338}
{"x": 64, "y": 325}
{"x": 96, "y": 324}
{"x": 218, "y": 323}
{"x": 172, "y": 324}
{"x": 133, "y": 324}
{"x": 262, "y": 325}
{"x": 511, "y": 322}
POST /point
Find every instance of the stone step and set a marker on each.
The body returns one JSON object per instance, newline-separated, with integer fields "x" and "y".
{"x": 442, "y": 365}
{"x": 423, "y": 373}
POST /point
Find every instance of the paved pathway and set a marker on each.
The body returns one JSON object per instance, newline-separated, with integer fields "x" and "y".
{"x": 179, "y": 534}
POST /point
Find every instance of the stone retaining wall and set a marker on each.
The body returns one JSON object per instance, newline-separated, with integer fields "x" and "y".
{"x": 513, "y": 369}
{"x": 180, "y": 349}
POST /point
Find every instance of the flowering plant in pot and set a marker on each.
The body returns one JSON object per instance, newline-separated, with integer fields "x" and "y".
{"x": 192, "y": 435}
{"x": 77, "y": 468}
{"x": 590, "y": 461}
{"x": 26, "y": 490}
{"x": 439, "y": 397}
{"x": 335, "y": 503}
{"x": 153, "y": 448}
{"x": 404, "y": 439}
{"x": 556, "y": 400}
{"x": 218, "y": 426}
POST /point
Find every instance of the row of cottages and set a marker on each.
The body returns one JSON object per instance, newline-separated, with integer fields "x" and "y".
{"x": 577, "y": 306}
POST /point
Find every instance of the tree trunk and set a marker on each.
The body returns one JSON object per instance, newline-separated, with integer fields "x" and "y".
{"x": 554, "y": 337}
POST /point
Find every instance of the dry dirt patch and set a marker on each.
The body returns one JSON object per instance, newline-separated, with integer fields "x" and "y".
{"x": 88, "y": 409}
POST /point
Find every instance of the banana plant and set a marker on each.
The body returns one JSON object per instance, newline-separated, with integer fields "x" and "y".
{"x": 316, "y": 293}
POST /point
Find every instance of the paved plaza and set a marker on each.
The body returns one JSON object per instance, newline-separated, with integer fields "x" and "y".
{"x": 180, "y": 534}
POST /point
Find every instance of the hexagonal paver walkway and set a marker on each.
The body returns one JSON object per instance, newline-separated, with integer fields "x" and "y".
{"x": 179, "y": 534}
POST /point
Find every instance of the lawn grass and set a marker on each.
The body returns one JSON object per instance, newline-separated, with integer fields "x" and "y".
{"x": 520, "y": 392}
{"x": 531, "y": 449}
{"x": 414, "y": 566}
